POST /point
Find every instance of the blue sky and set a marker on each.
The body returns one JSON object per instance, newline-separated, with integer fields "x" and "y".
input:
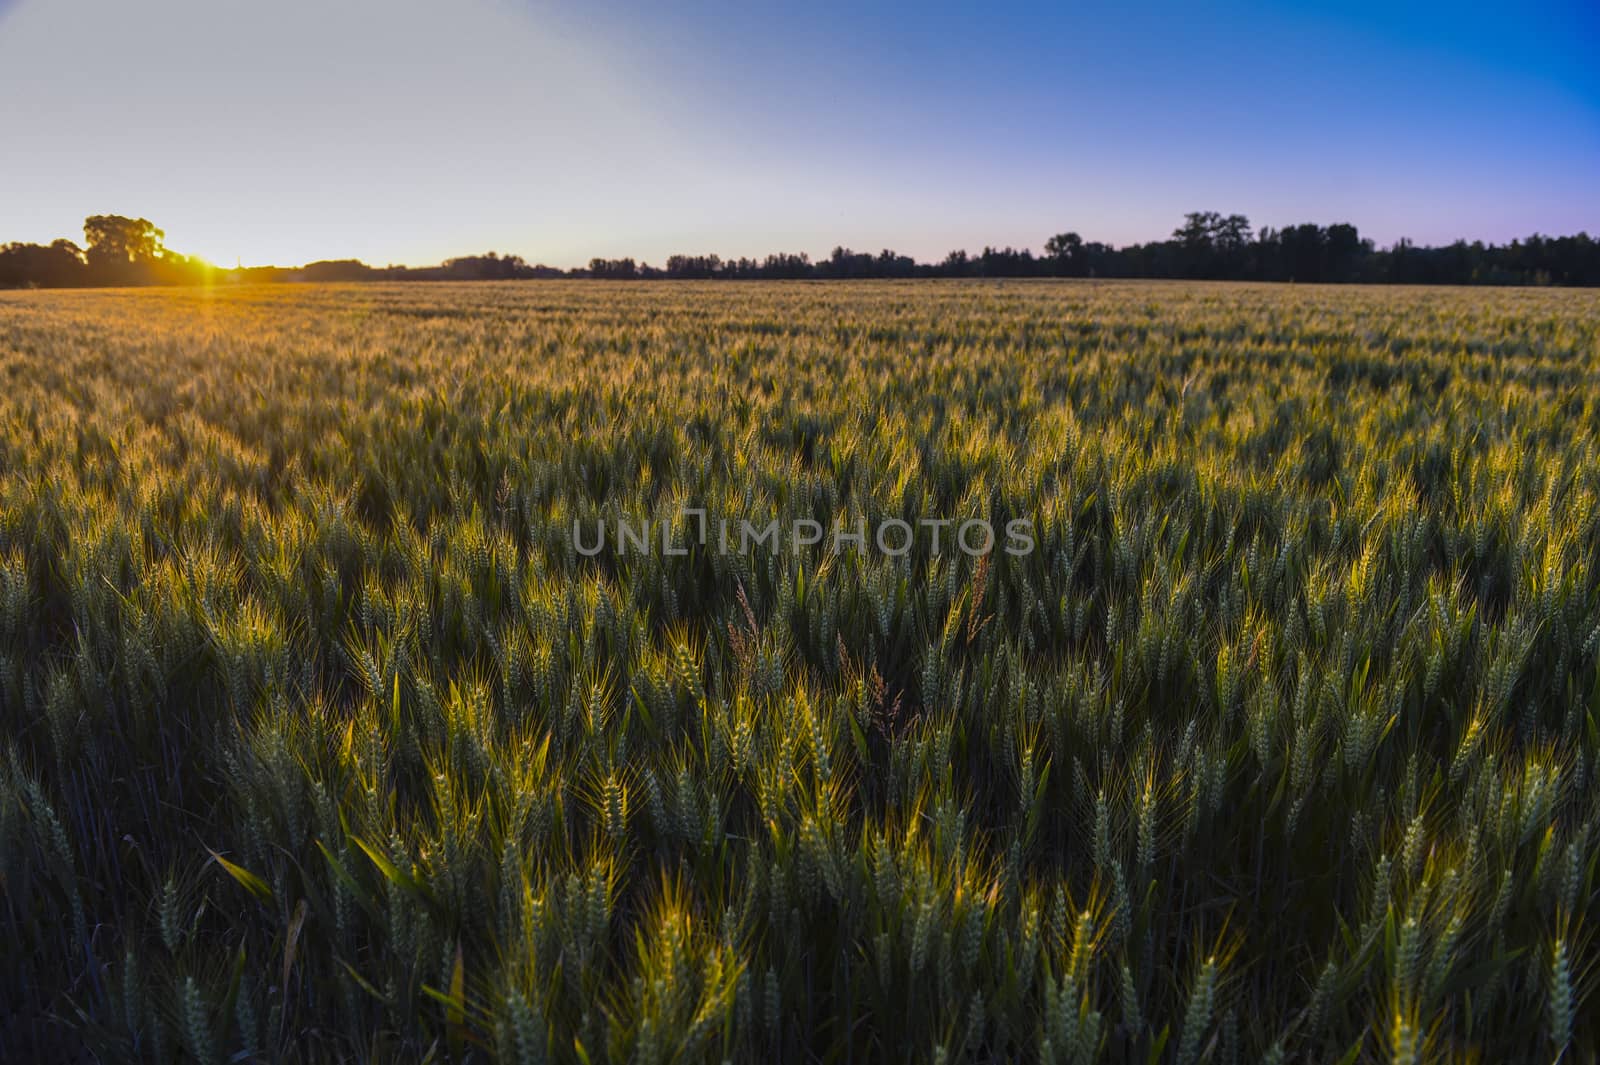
{"x": 409, "y": 130}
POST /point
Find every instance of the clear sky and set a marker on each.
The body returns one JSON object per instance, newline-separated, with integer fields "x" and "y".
{"x": 407, "y": 131}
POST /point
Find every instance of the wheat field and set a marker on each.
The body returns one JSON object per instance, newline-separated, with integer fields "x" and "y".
{"x": 322, "y": 736}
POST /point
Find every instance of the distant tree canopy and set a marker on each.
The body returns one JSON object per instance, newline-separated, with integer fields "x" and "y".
{"x": 1208, "y": 245}
{"x": 490, "y": 267}
{"x": 335, "y": 270}
{"x": 56, "y": 265}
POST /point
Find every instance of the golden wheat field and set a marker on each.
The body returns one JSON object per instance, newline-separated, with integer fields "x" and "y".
{"x": 1264, "y": 729}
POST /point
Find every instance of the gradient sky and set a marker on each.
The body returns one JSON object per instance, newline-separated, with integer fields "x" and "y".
{"x": 407, "y": 131}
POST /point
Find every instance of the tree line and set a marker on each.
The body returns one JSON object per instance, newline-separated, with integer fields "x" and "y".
{"x": 1207, "y": 246}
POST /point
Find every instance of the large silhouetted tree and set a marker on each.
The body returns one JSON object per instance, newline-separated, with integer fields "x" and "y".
{"x": 1194, "y": 240}
{"x": 122, "y": 251}
{"x": 1065, "y": 254}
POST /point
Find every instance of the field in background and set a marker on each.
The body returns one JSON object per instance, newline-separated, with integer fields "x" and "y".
{"x": 319, "y": 738}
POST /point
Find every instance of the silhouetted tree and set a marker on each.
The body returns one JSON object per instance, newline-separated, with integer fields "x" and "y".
{"x": 1065, "y": 253}
{"x": 1194, "y": 240}
{"x": 956, "y": 264}
{"x": 1345, "y": 250}
{"x": 59, "y": 264}
{"x": 693, "y": 267}
{"x": 1300, "y": 253}
{"x": 121, "y": 251}
{"x": 487, "y": 267}
{"x": 335, "y": 270}
{"x": 785, "y": 266}
{"x": 613, "y": 269}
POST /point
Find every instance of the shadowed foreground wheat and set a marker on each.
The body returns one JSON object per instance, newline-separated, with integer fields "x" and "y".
{"x": 320, "y": 740}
